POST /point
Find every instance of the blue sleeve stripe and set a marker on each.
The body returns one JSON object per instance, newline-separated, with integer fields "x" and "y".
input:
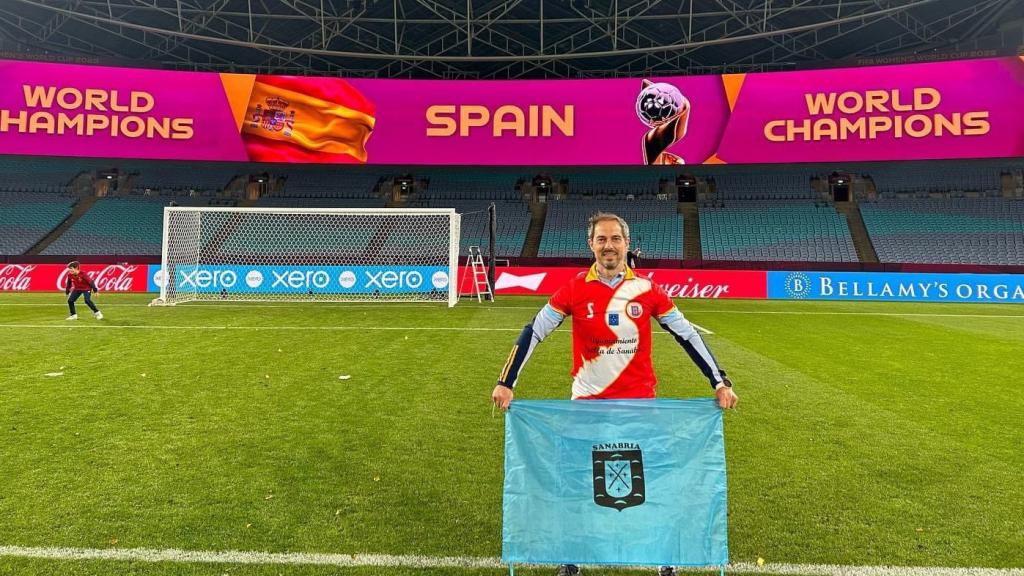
{"x": 552, "y": 313}
{"x": 670, "y": 315}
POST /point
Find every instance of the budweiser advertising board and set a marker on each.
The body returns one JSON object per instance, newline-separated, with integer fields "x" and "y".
{"x": 50, "y": 277}
{"x": 677, "y": 283}
{"x": 519, "y": 280}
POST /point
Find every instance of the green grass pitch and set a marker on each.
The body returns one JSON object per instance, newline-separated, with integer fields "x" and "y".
{"x": 867, "y": 433}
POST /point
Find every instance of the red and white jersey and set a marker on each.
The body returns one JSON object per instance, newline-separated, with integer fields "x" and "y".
{"x": 611, "y": 334}
{"x": 81, "y": 282}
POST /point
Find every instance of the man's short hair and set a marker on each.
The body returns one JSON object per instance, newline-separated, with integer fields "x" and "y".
{"x": 606, "y": 217}
{"x": 74, "y": 264}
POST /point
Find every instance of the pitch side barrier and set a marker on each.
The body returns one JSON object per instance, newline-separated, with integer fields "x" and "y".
{"x": 543, "y": 281}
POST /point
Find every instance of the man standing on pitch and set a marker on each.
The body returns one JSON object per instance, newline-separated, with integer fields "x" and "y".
{"x": 77, "y": 284}
{"x": 611, "y": 309}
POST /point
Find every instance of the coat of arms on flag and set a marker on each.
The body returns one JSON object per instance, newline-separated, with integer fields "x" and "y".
{"x": 618, "y": 475}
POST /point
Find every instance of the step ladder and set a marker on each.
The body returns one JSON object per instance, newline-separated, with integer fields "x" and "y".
{"x": 481, "y": 286}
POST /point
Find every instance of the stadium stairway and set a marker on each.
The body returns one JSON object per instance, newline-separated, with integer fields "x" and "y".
{"x": 539, "y": 213}
{"x": 691, "y": 231}
{"x": 81, "y": 207}
{"x": 858, "y": 232}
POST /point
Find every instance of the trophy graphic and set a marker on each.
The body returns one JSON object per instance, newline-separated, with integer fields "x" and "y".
{"x": 664, "y": 109}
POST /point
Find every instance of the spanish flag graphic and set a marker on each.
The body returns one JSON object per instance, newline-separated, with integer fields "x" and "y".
{"x": 306, "y": 119}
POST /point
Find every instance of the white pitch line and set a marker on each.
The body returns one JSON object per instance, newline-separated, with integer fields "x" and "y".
{"x": 88, "y": 326}
{"x": 242, "y": 557}
{"x": 837, "y": 570}
{"x": 197, "y": 305}
{"x": 194, "y": 305}
{"x": 701, "y": 328}
{"x": 96, "y": 326}
{"x": 418, "y": 561}
{"x": 825, "y": 313}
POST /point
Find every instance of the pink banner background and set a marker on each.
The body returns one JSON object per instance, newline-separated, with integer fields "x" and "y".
{"x": 607, "y": 130}
{"x": 995, "y": 85}
{"x": 177, "y": 94}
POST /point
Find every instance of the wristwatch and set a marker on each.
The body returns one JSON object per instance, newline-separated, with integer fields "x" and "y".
{"x": 725, "y": 383}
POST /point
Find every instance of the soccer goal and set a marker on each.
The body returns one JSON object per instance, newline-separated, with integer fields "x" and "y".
{"x": 309, "y": 254}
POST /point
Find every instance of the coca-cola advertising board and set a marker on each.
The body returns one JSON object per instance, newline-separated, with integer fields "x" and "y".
{"x": 677, "y": 283}
{"x": 51, "y": 277}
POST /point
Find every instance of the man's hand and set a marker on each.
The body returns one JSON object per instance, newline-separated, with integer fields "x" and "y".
{"x": 726, "y": 397}
{"x": 502, "y": 396}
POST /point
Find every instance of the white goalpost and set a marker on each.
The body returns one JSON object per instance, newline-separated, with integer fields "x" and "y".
{"x": 309, "y": 254}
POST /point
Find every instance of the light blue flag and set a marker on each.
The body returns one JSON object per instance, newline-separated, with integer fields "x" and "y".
{"x": 615, "y": 482}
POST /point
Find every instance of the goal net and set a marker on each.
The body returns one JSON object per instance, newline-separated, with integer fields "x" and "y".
{"x": 309, "y": 254}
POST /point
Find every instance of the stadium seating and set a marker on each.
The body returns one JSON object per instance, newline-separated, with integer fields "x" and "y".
{"x": 916, "y": 178}
{"x": 797, "y": 231}
{"x": 248, "y": 237}
{"x": 470, "y": 186}
{"x": 319, "y": 187}
{"x": 755, "y": 213}
{"x": 320, "y": 182}
{"x": 613, "y": 185}
{"x": 26, "y": 218}
{"x": 21, "y": 174}
{"x": 317, "y": 202}
{"x": 470, "y": 193}
{"x": 134, "y": 225}
{"x": 947, "y": 230}
{"x": 513, "y": 221}
{"x": 175, "y": 176}
{"x": 115, "y": 226}
{"x": 655, "y": 226}
{"x": 746, "y": 183}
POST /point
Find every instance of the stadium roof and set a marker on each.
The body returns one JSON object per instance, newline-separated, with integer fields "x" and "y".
{"x": 506, "y": 39}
